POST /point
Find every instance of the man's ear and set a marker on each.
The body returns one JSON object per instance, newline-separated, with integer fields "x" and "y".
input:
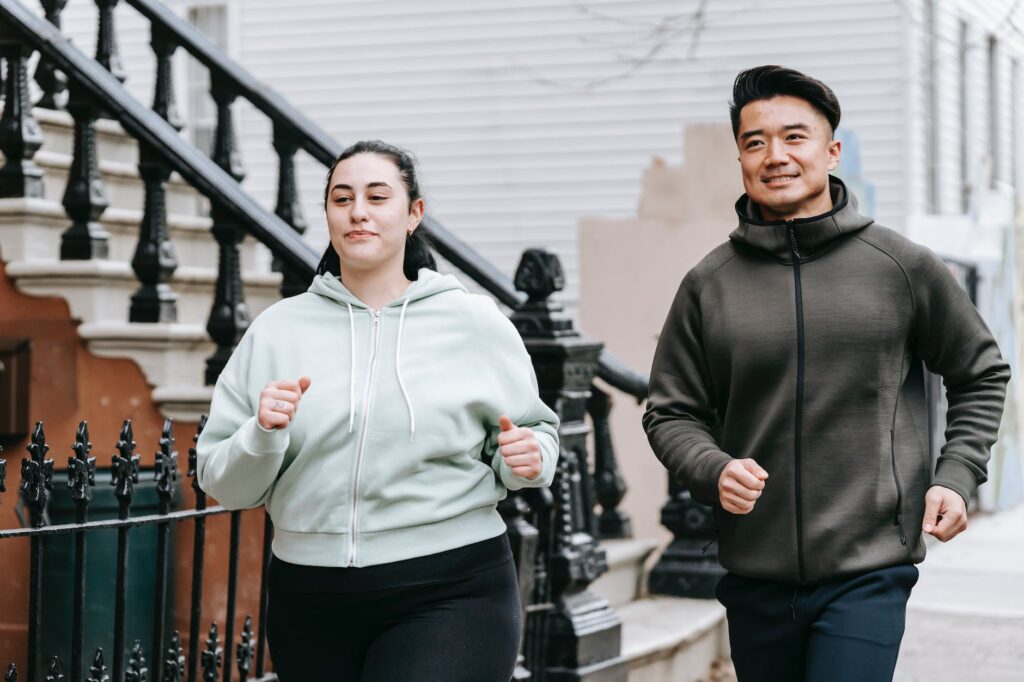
{"x": 834, "y": 149}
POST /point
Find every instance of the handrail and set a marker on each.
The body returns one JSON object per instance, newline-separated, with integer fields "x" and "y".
{"x": 213, "y": 181}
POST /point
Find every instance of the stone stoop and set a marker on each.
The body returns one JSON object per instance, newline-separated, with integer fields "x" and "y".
{"x": 664, "y": 639}
{"x": 171, "y": 356}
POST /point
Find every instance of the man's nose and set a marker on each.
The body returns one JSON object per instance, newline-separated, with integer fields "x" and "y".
{"x": 777, "y": 154}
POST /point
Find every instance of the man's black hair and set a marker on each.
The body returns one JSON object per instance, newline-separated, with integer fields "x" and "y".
{"x": 765, "y": 82}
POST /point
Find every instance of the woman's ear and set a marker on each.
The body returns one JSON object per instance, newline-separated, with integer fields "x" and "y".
{"x": 415, "y": 215}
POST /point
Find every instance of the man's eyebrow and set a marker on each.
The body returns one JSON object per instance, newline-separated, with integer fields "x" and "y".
{"x": 760, "y": 131}
{"x": 379, "y": 183}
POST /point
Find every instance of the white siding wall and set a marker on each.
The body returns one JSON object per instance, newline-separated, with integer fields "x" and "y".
{"x": 527, "y": 115}
{"x": 991, "y": 17}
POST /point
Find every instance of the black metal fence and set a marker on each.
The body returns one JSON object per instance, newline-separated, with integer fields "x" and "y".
{"x": 161, "y": 659}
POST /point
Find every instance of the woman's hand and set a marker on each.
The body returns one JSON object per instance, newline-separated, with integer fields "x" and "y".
{"x": 520, "y": 449}
{"x": 278, "y": 402}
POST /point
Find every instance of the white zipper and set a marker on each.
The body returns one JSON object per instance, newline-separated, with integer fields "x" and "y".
{"x": 367, "y": 396}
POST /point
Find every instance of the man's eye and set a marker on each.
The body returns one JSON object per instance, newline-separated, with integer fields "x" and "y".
{"x": 753, "y": 143}
{"x": 796, "y": 137}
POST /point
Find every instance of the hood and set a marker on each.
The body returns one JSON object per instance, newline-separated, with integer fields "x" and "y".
{"x": 813, "y": 235}
{"x": 427, "y": 283}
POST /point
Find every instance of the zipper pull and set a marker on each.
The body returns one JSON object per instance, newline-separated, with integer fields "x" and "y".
{"x": 899, "y": 522}
{"x": 792, "y": 238}
{"x": 376, "y": 318}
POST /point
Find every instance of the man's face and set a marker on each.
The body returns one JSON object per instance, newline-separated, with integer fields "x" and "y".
{"x": 786, "y": 152}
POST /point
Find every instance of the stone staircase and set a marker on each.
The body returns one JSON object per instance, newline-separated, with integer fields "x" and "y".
{"x": 664, "y": 639}
{"x": 172, "y": 355}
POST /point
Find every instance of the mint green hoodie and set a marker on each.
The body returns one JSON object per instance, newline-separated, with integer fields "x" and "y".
{"x": 393, "y": 450}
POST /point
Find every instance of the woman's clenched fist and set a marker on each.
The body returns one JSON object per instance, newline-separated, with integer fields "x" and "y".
{"x": 279, "y": 401}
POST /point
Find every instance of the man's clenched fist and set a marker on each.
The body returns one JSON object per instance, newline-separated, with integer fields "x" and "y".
{"x": 740, "y": 485}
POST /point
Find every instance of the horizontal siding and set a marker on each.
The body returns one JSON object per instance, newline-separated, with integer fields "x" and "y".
{"x": 528, "y": 116}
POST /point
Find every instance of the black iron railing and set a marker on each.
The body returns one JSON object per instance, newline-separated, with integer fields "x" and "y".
{"x": 162, "y": 658}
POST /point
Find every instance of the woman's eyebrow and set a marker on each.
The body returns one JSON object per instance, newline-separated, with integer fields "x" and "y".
{"x": 379, "y": 183}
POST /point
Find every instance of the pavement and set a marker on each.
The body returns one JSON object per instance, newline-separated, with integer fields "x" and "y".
{"x": 965, "y": 619}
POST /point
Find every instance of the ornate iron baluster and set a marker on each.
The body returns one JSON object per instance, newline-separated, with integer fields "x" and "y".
{"x": 137, "y": 670}
{"x": 12, "y": 673}
{"x": 229, "y": 317}
{"x": 98, "y": 671}
{"x": 20, "y": 134}
{"x": 36, "y": 484}
{"x": 124, "y": 476}
{"x": 85, "y": 199}
{"x": 245, "y": 650}
{"x": 166, "y": 476}
{"x": 174, "y": 665}
{"x": 81, "y": 479}
{"x": 55, "y": 672}
{"x": 154, "y": 262}
{"x": 213, "y": 656}
{"x": 689, "y": 565}
{"x": 289, "y": 209}
{"x": 542, "y": 502}
{"x": 163, "y": 92}
{"x": 50, "y": 79}
{"x": 198, "y": 551}
{"x": 613, "y": 522}
{"x": 585, "y": 632}
{"x": 107, "y": 53}
{"x": 3, "y": 473}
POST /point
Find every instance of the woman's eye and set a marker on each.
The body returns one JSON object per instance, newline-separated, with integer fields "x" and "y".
{"x": 341, "y": 200}
{"x": 378, "y": 197}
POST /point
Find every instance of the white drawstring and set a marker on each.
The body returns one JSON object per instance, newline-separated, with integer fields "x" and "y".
{"x": 352, "y": 376}
{"x": 398, "y": 371}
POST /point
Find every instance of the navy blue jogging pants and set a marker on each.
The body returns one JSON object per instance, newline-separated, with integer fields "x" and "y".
{"x": 843, "y": 631}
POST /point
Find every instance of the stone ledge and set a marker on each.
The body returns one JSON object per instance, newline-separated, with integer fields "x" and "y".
{"x": 666, "y": 638}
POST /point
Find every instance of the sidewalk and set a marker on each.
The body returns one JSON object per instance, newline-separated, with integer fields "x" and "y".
{"x": 965, "y": 620}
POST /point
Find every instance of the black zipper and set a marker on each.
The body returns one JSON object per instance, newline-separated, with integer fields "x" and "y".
{"x": 899, "y": 489}
{"x": 799, "y": 398}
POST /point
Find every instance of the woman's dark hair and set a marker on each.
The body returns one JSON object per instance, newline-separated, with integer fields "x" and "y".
{"x": 417, "y": 245}
{"x": 765, "y": 82}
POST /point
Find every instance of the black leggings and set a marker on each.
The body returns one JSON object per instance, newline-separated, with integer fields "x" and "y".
{"x": 462, "y": 628}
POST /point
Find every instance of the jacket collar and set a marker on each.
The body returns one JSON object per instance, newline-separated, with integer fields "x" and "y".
{"x": 813, "y": 235}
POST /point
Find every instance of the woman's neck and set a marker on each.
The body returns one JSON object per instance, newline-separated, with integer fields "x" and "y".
{"x": 374, "y": 287}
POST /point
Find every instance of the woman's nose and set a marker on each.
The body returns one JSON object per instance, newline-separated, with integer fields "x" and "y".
{"x": 357, "y": 213}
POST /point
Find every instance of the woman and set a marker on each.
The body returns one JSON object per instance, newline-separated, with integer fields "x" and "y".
{"x": 380, "y": 417}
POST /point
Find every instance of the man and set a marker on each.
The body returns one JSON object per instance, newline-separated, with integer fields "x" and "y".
{"x": 787, "y": 392}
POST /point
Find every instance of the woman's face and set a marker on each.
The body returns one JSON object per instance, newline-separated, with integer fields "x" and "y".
{"x": 368, "y": 213}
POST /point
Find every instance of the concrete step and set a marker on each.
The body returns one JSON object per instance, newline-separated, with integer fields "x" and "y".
{"x": 624, "y": 580}
{"x": 30, "y": 230}
{"x": 100, "y": 291}
{"x": 665, "y": 638}
{"x": 112, "y": 142}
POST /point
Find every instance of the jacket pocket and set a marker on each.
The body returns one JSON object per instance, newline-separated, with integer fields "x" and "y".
{"x": 898, "y": 515}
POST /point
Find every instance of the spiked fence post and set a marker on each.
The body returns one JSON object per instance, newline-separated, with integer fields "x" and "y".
{"x": 81, "y": 479}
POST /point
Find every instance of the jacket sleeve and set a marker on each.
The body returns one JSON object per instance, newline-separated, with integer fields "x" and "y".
{"x": 680, "y": 418}
{"x": 517, "y": 396}
{"x": 955, "y": 343}
{"x": 237, "y": 460}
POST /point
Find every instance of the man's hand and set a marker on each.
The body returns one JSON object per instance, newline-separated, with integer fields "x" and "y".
{"x": 278, "y": 402}
{"x": 945, "y": 514}
{"x": 740, "y": 485}
{"x": 520, "y": 449}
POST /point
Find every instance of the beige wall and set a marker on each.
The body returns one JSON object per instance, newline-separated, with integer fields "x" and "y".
{"x": 630, "y": 270}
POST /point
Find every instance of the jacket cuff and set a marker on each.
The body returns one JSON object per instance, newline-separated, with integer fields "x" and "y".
{"x": 957, "y": 477}
{"x": 704, "y": 487}
{"x": 260, "y": 441}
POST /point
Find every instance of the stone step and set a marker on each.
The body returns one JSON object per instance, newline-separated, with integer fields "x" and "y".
{"x": 100, "y": 291}
{"x": 667, "y": 638}
{"x": 624, "y": 580}
{"x": 30, "y": 230}
{"x": 112, "y": 142}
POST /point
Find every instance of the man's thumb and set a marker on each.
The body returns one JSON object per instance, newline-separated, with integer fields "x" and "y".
{"x": 505, "y": 423}
{"x": 931, "y": 515}
{"x": 304, "y": 383}
{"x": 755, "y": 468}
